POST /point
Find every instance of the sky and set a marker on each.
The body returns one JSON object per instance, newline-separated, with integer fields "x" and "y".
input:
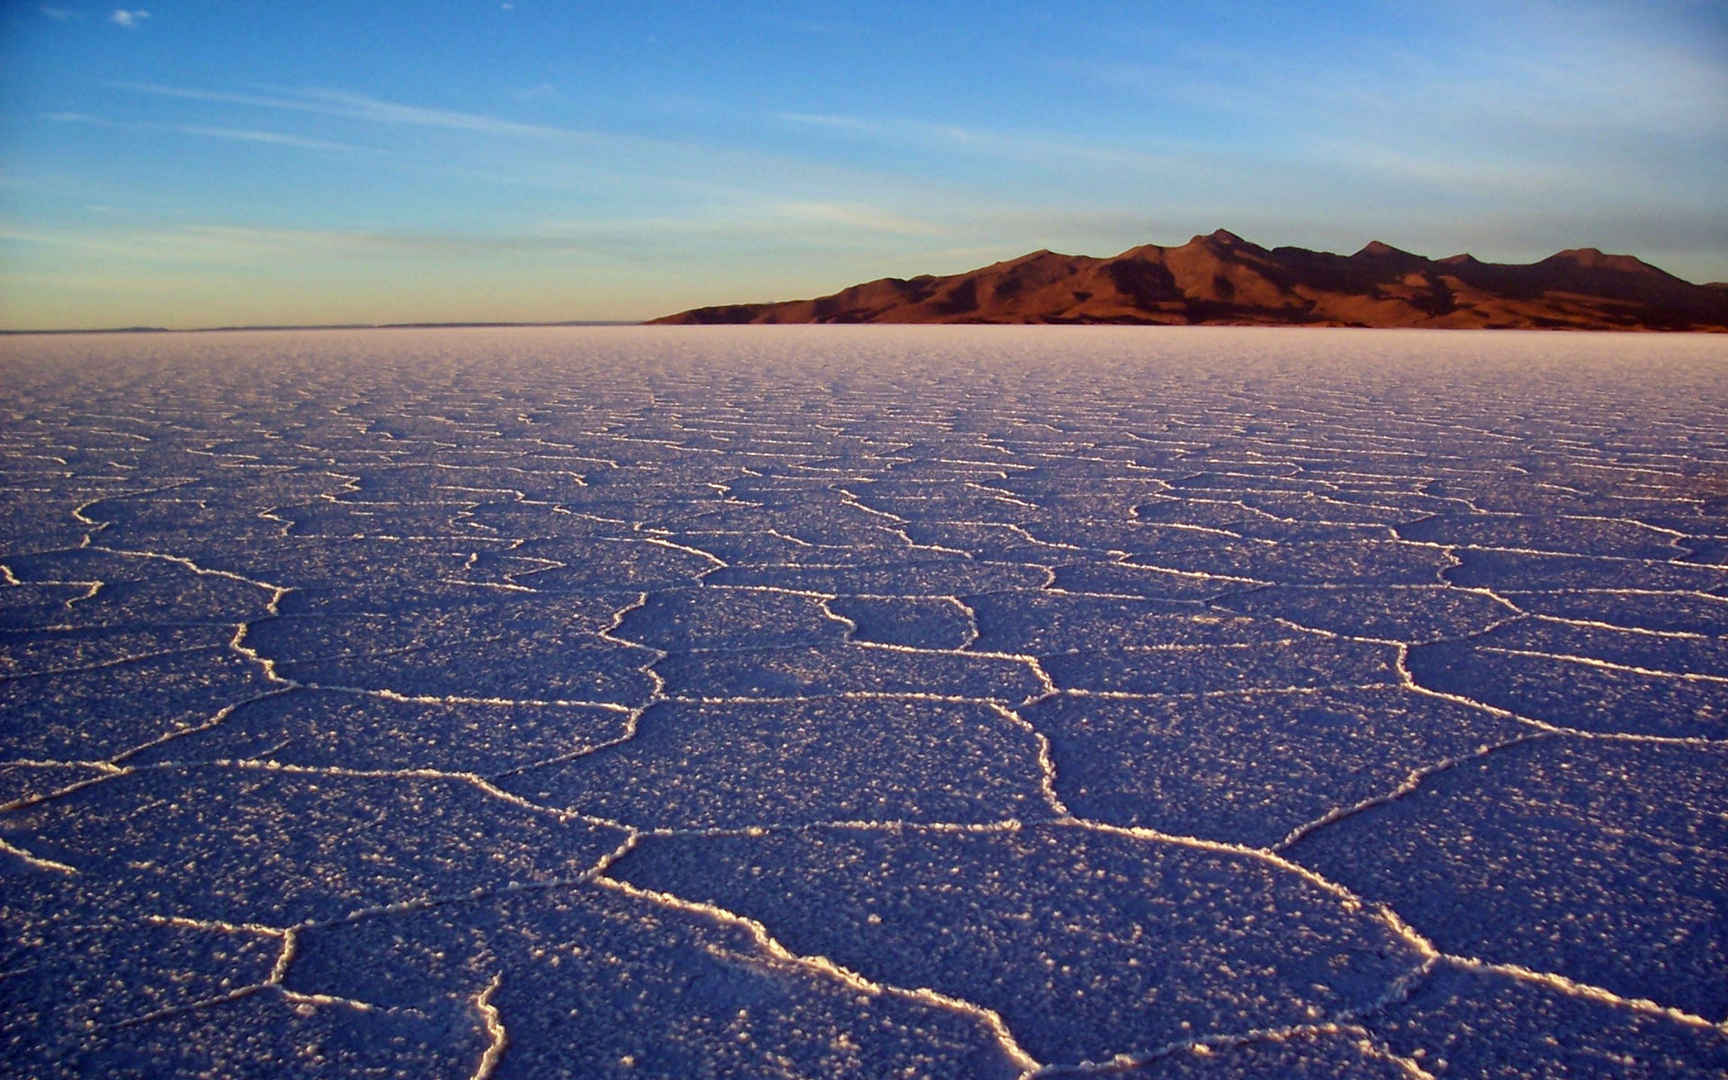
{"x": 236, "y": 162}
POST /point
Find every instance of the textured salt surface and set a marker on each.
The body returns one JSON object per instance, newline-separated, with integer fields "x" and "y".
{"x": 864, "y": 702}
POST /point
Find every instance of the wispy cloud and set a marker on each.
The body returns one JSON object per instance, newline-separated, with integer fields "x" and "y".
{"x": 754, "y": 218}
{"x": 360, "y": 107}
{"x": 390, "y": 112}
{"x": 131, "y": 19}
{"x": 632, "y": 162}
{"x": 1600, "y": 67}
{"x": 274, "y": 138}
{"x": 1028, "y": 146}
{"x": 239, "y": 242}
{"x": 239, "y": 245}
{"x": 60, "y": 13}
{"x": 856, "y": 216}
{"x": 1449, "y": 169}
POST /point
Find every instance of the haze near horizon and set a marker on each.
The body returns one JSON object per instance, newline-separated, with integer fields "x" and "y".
{"x": 186, "y": 166}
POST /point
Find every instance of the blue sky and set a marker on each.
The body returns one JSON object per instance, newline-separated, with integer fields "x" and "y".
{"x": 332, "y": 161}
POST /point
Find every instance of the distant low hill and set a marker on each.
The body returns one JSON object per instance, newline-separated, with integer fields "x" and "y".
{"x": 1223, "y": 279}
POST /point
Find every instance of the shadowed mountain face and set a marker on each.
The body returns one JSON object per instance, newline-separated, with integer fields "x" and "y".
{"x": 1224, "y": 279}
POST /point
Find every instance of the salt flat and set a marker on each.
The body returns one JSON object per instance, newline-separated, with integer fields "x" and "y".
{"x": 864, "y": 701}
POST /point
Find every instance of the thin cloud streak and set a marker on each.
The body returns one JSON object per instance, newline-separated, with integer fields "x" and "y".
{"x": 1593, "y": 76}
{"x": 1450, "y": 172}
{"x": 754, "y": 219}
{"x": 860, "y": 217}
{"x": 359, "y": 107}
{"x": 754, "y": 228}
{"x": 390, "y": 112}
{"x": 241, "y": 244}
{"x": 1021, "y": 146}
{"x": 274, "y": 138}
{"x": 710, "y": 169}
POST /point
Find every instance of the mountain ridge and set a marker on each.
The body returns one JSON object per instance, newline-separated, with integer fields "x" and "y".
{"x": 1223, "y": 279}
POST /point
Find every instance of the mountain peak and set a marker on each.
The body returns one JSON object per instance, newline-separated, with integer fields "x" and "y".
{"x": 1223, "y": 238}
{"x": 1587, "y": 256}
{"x": 1596, "y": 259}
{"x": 1374, "y": 249}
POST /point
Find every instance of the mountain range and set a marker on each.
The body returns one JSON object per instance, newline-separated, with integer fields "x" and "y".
{"x": 1223, "y": 279}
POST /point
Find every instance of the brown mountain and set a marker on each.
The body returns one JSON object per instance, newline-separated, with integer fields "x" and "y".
{"x": 1224, "y": 279}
